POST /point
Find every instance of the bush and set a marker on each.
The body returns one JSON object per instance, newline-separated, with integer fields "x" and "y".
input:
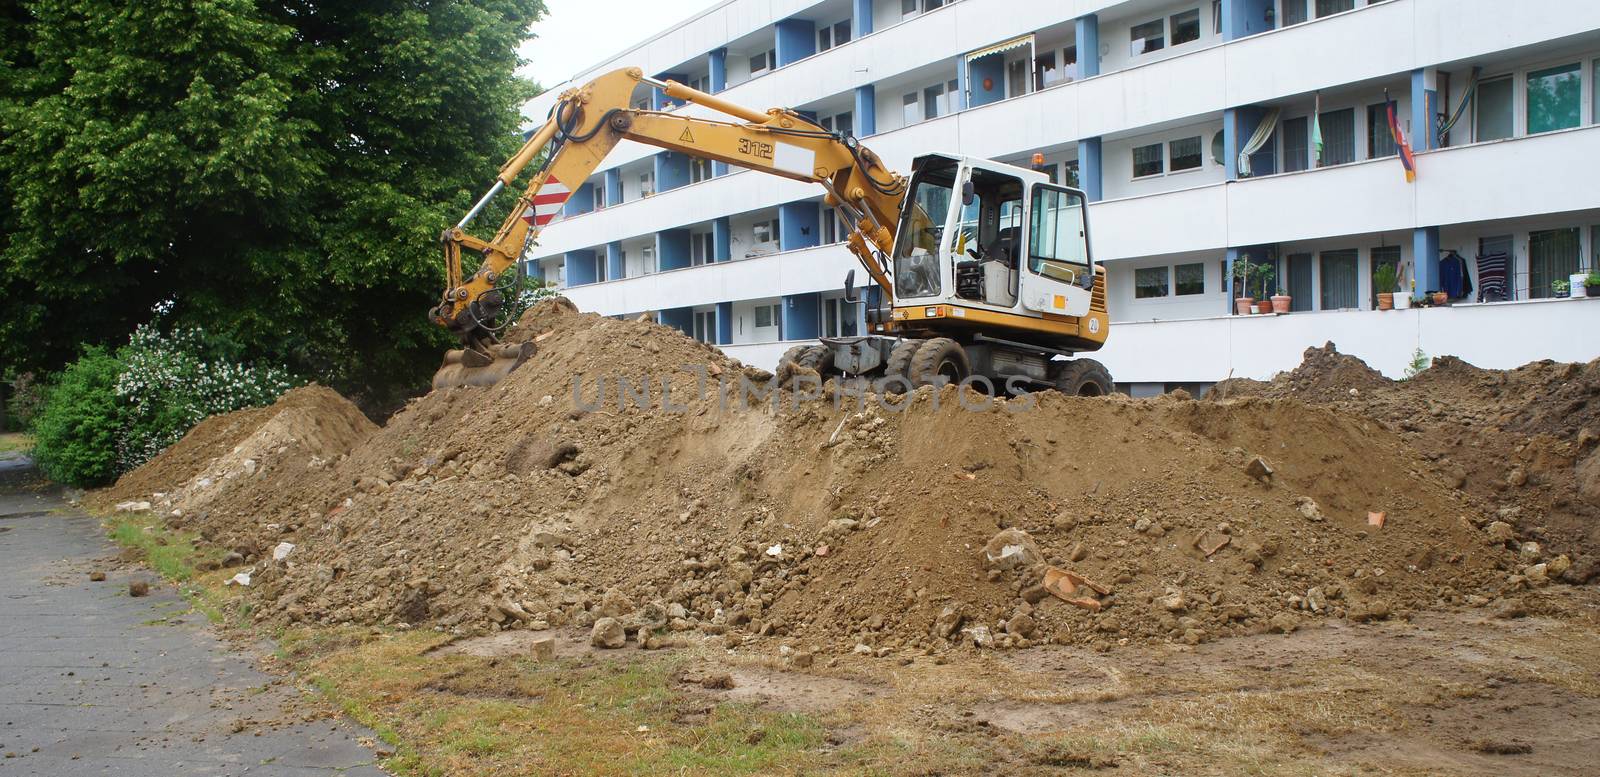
{"x": 75, "y": 433}
{"x": 170, "y": 382}
{"x": 107, "y": 414}
{"x": 24, "y": 400}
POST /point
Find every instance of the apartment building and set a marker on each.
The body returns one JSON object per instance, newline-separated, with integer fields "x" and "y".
{"x": 1193, "y": 126}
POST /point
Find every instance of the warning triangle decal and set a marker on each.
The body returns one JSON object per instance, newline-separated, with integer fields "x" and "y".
{"x": 686, "y": 137}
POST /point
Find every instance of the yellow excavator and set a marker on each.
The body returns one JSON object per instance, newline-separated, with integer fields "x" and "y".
{"x": 983, "y": 268}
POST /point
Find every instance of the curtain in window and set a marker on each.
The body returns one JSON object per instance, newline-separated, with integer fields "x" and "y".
{"x": 1552, "y": 255}
{"x": 1299, "y": 285}
{"x": 1326, "y": 7}
{"x": 1338, "y": 137}
{"x": 1294, "y": 12}
{"x": 1340, "y": 283}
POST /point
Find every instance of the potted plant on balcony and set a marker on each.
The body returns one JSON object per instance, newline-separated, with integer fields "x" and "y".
{"x": 1560, "y": 287}
{"x": 1243, "y": 271}
{"x": 1591, "y": 284}
{"x": 1281, "y": 300}
{"x": 1383, "y": 280}
{"x": 1265, "y": 274}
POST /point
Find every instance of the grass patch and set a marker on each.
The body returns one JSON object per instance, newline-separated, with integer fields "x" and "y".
{"x": 16, "y": 442}
{"x": 177, "y": 556}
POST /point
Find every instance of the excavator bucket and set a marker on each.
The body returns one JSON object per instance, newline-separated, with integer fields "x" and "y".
{"x": 471, "y": 367}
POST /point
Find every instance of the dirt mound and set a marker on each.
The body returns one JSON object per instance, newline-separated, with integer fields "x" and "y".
{"x": 1523, "y": 440}
{"x": 253, "y": 458}
{"x": 626, "y": 471}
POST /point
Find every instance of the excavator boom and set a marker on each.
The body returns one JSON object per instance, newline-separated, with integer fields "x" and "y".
{"x": 583, "y": 127}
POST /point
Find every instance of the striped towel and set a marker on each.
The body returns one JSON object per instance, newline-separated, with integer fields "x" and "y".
{"x": 1492, "y": 277}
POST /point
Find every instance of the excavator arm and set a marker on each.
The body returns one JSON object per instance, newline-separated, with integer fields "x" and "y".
{"x": 585, "y": 125}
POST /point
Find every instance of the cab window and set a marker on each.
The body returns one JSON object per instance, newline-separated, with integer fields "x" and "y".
{"x": 1058, "y": 242}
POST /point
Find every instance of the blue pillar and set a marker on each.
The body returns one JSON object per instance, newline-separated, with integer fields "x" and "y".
{"x": 866, "y": 115}
{"x": 1425, "y": 258}
{"x": 1241, "y": 18}
{"x": 615, "y": 268}
{"x": 799, "y": 225}
{"x": 581, "y": 201}
{"x": 718, "y": 63}
{"x": 797, "y": 39}
{"x": 1089, "y": 175}
{"x": 614, "y": 186}
{"x": 1424, "y": 134}
{"x": 659, "y": 101}
{"x": 672, "y": 171}
{"x": 724, "y": 323}
{"x": 672, "y": 249}
{"x": 721, "y": 240}
{"x": 800, "y": 316}
{"x": 580, "y": 267}
{"x": 861, "y": 20}
{"x": 1088, "y": 45}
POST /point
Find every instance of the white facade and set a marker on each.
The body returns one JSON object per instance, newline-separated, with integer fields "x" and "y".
{"x": 1181, "y": 86}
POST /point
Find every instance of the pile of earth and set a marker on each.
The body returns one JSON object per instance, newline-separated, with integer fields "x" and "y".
{"x": 1524, "y": 441}
{"x": 838, "y": 522}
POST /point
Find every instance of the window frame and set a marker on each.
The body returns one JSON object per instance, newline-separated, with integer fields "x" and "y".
{"x": 1305, "y": 160}
{"x": 1177, "y": 282}
{"x": 1161, "y": 160}
{"x": 773, "y": 316}
{"x": 1160, "y": 41}
{"x": 1031, "y": 221}
{"x": 1166, "y": 282}
{"x": 1199, "y": 154}
{"x": 1511, "y": 109}
{"x": 1172, "y": 28}
{"x": 1576, "y": 68}
{"x": 1378, "y": 122}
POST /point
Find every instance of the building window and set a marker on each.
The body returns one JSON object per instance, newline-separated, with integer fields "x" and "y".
{"x": 1146, "y": 38}
{"x": 1553, "y": 254}
{"x": 1330, "y": 7}
{"x": 842, "y": 123}
{"x": 1299, "y": 283}
{"x": 1385, "y": 255}
{"x": 1338, "y": 137}
{"x": 1149, "y": 282}
{"x": 838, "y": 318}
{"x": 705, "y": 326}
{"x": 1380, "y": 140}
{"x": 766, "y": 316}
{"x": 1554, "y": 98}
{"x": 1189, "y": 279}
{"x": 761, "y": 63}
{"x": 1294, "y": 12}
{"x": 1070, "y": 167}
{"x": 1044, "y": 69}
{"x": 699, "y": 170}
{"x": 1186, "y": 27}
{"x": 908, "y": 8}
{"x": 1296, "y": 144}
{"x": 1594, "y": 84}
{"x": 701, "y": 246}
{"x": 703, "y": 83}
{"x": 1340, "y": 288}
{"x": 1494, "y": 109}
{"x": 908, "y": 109}
{"x": 1017, "y": 81}
{"x": 1184, "y": 154}
{"x": 932, "y": 101}
{"x": 1147, "y": 160}
{"x": 1216, "y": 17}
{"x": 649, "y": 255}
{"x": 834, "y": 35}
{"x": 763, "y": 232}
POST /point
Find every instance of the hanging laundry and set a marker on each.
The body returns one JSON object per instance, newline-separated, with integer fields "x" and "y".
{"x": 1454, "y": 279}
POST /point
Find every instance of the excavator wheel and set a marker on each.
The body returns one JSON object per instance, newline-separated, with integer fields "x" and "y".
{"x": 899, "y": 366}
{"x": 940, "y": 357}
{"x": 817, "y": 357}
{"x": 793, "y": 354}
{"x": 471, "y": 367}
{"x": 1083, "y": 378}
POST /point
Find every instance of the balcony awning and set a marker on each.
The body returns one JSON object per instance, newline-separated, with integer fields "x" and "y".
{"x": 1014, "y": 43}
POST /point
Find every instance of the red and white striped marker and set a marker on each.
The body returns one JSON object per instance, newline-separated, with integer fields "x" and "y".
{"x": 547, "y": 203}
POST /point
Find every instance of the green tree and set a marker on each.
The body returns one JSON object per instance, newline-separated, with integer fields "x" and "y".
{"x": 277, "y": 172}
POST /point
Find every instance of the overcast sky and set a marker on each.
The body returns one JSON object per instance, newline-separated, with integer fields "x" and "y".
{"x": 580, "y": 33}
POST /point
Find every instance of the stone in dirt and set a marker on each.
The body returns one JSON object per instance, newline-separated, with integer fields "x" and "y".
{"x": 543, "y": 649}
{"x": 1308, "y": 508}
{"x": 948, "y": 621}
{"x": 138, "y": 588}
{"x": 1011, "y": 549}
{"x": 1259, "y": 469}
{"x": 97, "y": 577}
{"x": 721, "y": 681}
{"x": 133, "y": 507}
{"x": 608, "y": 633}
{"x": 1284, "y": 623}
{"x": 1500, "y": 531}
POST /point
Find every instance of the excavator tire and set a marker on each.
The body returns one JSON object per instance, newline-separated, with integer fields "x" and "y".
{"x": 793, "y": 354}
{"x": 936, "y": 358}
{"x": 1083, "y": 378}
{"x": 898, "y": 366}
{"x": 817, "y": 357}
